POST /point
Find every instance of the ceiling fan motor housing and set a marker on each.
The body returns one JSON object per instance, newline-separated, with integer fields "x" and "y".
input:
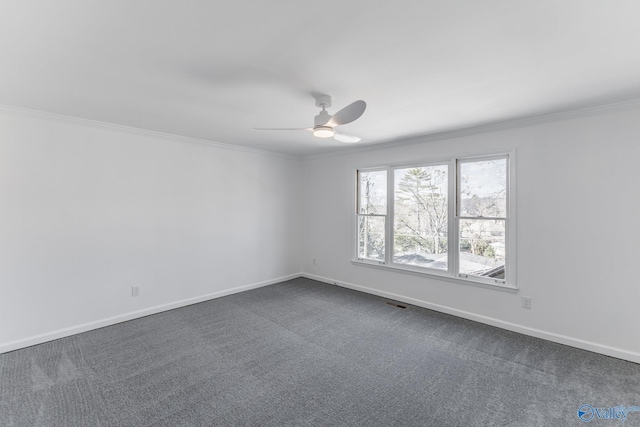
{"x": 321, "y": 119}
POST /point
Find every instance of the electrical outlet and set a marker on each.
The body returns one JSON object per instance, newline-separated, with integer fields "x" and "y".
{"x": 526, "y": 302}
{"x": 135, "y": 290}
{"x": 314, "y": 261}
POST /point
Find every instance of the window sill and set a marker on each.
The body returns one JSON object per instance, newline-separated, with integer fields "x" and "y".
{"x": 444, "y": 276}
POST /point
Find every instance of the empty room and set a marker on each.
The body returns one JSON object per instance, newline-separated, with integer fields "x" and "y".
{"x": 338, "y": 213}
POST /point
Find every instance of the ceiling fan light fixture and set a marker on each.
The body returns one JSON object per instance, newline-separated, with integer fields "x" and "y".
{"x": 323, "y": 132}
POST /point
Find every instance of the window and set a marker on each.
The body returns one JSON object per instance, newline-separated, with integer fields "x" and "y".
{"x": 482, "y": 217}
{"x": 372, "y": 215}
{"x": 448, "y": 219}
{"x": 420, "y": 215}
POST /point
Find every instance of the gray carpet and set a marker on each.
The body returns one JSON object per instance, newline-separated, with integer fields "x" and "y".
{"x": 304, "y": 353}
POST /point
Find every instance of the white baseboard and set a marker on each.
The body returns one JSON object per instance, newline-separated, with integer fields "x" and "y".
{"x": 61, "y": 333}
{"x": 549, "y": 336}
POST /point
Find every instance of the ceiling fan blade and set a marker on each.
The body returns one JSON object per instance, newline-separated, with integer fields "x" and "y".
{"x": 348, "y": 114}
{"x": 343, "y": 137}
{"x": 283, "y": 128}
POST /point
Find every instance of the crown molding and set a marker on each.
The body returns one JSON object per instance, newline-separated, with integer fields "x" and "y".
{"x": 136, "y": 131}
{"x": 419, "y": 139}
{"x": 487, "y": 128}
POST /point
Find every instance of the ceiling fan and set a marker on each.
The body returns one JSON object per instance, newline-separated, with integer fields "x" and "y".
{"x": 325, "y": 124}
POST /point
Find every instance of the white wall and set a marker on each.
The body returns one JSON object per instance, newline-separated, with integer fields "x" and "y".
{"x": 578, "y": 231}
{"x": 87, "y": 211}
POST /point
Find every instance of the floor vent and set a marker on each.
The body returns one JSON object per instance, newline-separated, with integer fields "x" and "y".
{"x": 396, "y": 305}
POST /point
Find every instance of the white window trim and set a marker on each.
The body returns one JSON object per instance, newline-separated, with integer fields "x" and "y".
{"x": 508, "y": 284}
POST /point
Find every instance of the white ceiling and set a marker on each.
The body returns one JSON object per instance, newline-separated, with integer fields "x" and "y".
{"x": 215, "y": 69}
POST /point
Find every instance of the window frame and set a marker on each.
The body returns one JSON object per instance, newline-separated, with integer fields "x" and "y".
{"x": 453, "y": 237}
{"x": 458, "y": 218}
{"x": 359, "y": 215}
{"x": 391, "y": 208}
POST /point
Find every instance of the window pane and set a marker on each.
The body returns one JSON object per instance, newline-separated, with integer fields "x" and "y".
{"x": 483, "y": 188}
{"x": 371, "y": 237}
{"x": 420, "y": 216}
{"x": 372, "y": 192}
{"x": 482, "y": 247}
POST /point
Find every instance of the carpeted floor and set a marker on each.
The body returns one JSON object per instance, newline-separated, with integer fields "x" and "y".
{"x": 304, "y": 353}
